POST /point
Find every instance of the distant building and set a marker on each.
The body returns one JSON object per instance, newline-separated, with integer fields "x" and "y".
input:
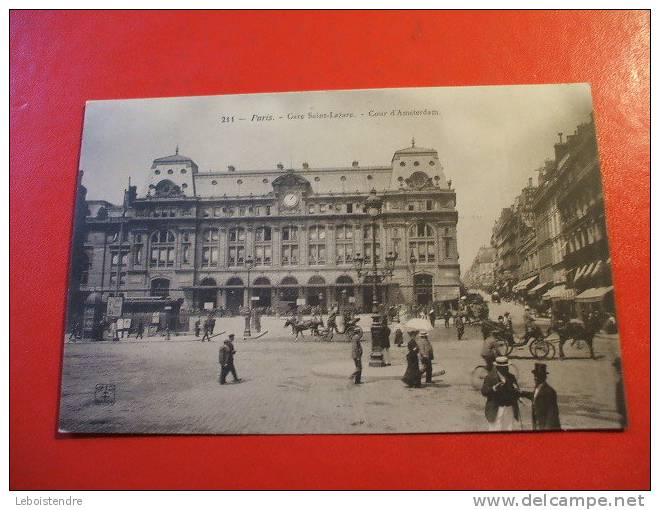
{"x": 481, "y": 274}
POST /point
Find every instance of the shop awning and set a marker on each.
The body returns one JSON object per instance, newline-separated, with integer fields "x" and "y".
{"x": 579, "y": 272}
{"x": 593, "y": 295}
{"x": 560, "y": 293}
{"x": 522, "y": 285}
{"x": 539, "y": 287}
{"x": 590, "y": 268}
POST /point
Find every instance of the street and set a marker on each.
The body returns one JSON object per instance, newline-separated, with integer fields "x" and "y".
{"x": 304, "y": 387}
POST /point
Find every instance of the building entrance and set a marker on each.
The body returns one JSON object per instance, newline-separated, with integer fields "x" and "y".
{"x": 423, "y": 289}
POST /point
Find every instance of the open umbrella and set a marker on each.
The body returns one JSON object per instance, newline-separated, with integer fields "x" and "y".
{"x": 420, "y": 324}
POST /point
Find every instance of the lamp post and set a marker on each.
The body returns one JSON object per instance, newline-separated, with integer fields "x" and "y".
{"x": 374, "y": 205}
{"x": 249, "y": 265}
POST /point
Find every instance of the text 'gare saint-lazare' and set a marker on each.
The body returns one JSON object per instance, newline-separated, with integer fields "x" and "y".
{"x": 187, "y": 234}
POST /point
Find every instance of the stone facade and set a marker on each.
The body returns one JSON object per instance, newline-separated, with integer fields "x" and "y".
{"x": 186, "y": 234}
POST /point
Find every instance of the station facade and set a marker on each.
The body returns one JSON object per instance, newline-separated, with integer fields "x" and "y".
{"x": 186, "y": 235}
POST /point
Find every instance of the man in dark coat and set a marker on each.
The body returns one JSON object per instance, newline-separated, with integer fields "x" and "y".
{"x": 460, "y": 326}
{"x": 447, "y": 316}
{"x": 226, "y": 360}
{"x": 356, "y": 354}
{"x": 432, "y": 317}
{"x": 502, "y": 392}
{"x": 545, "y": 411}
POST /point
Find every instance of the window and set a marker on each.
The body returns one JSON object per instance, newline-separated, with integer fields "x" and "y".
{"x": 368, "y": 241}
{"x": 316, "y": 251}
{"x": 289, "y": 246}
{"x": 311, "y": 208}
{"x": 137, "y": 249}
{"x": 236, "y": 246}
{"x": 263, "y": 249}
{"x": 162, "y": 249}
{"x": 429, "y": 205}
{"x": 396, "y": 240}
{"x": 422, "y": 242}
{"x": 349, "y": 208}
{"x": 323, "y": 208}
{"x": 267, "y": 210}
{"x": 344, "y": 244}
{"x": 411, "y": 206}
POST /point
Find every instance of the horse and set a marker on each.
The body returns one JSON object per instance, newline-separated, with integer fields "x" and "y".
{"x": 297, "y": 328}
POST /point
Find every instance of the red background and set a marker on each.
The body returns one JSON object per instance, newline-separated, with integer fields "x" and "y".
{"x": 61, "y": 59}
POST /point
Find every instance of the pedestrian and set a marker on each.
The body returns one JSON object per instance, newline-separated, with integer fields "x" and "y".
{"x": 386, "y": 343}
{"x": 197, "y": 328}
{"x": 257, "y": 320}
{"x": 432, "y": 317}
{"x": 412, "y": 377}
{"x": 207, "y": 330}
{"x": 501, "y": 390}
{"x": 211, "y": 325}
{"x": 356, "y": 354}
{"x": 447, "y": 316}
{"x": 460, "y": 326}
{"x": 398, "y": 336}
{"x": 226, "y": 360}
{"x": 426, "y": 355}
{"x": 140, "y": 329}
{"x": 545, "y": 411}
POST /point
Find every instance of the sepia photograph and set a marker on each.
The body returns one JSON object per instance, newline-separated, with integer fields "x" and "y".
{"x": 374, "y": 261}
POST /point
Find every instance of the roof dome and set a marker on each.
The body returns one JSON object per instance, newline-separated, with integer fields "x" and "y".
{"x": 415, "y": 150}
{"x": 174, "y": 158}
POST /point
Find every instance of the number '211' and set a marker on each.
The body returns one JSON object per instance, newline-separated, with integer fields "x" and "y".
{"x": 224, "y": 118}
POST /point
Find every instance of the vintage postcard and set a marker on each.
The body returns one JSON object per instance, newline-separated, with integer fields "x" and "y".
{"x": 363, "y": 261}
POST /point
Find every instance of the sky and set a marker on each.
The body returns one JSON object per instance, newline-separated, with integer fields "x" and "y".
{"x": 490, "y": 140}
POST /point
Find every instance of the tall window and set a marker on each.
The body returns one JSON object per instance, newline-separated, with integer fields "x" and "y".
{"x": 162, "y": 249}
{"x": 422, "y": 243}
{"x": 263, "y": 246}
{"x": 448, "y": 244}
{"x": 367, "y": 242}
{"x": 316, "y": 245}
{"x": 118, "y": 266}
{"x": 396, "y": 240}
{"x": 290, "y": 246}
{"x": 236, "y": 246}
{"x": 185, "y": 248}
{"x": 210, "y": 248}
{"x": 137, "y": 249}
{"x": 344, "y": 244}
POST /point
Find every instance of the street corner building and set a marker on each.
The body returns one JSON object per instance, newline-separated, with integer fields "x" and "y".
{"x": 193, "y": 240}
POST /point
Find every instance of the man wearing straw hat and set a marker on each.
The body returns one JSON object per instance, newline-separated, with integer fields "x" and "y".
{"x": 545, "y": 411}
{"x": 502, "y": 392}
{"x": 426, "y": 355}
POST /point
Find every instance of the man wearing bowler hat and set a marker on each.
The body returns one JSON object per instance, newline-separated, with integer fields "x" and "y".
{"x": 545, "y": 411}
{"x": 502, "y": 392}
{"x": 226, "y": 360}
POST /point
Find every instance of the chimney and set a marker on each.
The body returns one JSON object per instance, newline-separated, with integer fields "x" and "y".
{"x": 305, "y": 165}
{"x": 356, "y": 164}
{"x": 280, "y": 166}
{"x": 529, "y": 183}
{"x": 231, "y": 168}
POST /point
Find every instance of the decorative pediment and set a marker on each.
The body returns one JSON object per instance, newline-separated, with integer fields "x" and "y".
{"x": 167, "y": 189}
{"x": 419, "y": 181}
{"x": 291, "y": 180}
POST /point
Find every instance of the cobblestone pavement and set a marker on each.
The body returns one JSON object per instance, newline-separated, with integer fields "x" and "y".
{"x": 302, "y": 387}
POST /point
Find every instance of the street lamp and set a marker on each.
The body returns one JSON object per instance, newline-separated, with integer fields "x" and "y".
{"x": 249, "y": 265}
{"x": 374, "y": 205}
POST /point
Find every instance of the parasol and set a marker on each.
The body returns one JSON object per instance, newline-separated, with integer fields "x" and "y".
{"x": 420, "y": 324}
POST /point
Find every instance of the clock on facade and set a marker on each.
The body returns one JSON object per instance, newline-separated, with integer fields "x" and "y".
{"x": 290, "y": 200}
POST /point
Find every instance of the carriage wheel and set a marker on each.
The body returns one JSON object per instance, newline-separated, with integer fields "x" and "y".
{"x": 477, "y": 377}
{"x": 540, "y": 349}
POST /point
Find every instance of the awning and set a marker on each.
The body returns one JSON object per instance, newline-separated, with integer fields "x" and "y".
{"x": 539, "y": 287}
{"x": 522, "y": 285}
{"x": 590, "y": 268}
{"x": 579, "y": 272}
{"x": 560, "y": 293}
{"x": 593, "y": 295}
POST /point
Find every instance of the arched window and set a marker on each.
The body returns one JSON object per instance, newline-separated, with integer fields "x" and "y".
{"x": 162, "y": 249}
{"x": 236, "y": 246}
{"x": 422, "y": 242}
{"x": 344, "y": 244}
{"x": 316, "y": 250}
{"x": 160, "y": 287}
{"x": 290, "y": 246}
{"x": 210, "y": 248}
{"x": 367, "y": 233}
{"x": 263, "y": 246}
